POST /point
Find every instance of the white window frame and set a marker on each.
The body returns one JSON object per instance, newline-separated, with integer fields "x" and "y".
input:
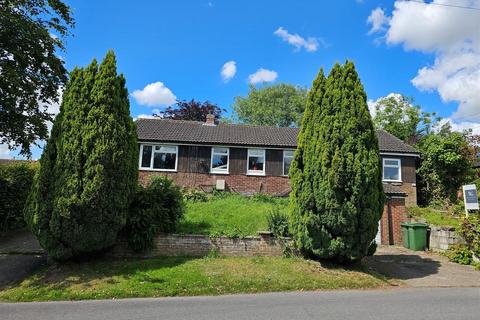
{"x": 153, "y": 145}
{"x": 216, "y": 170}
{"x": 256, "y": 172}
{"x": 399, "y": 161}
{"x": 283, "y": 162}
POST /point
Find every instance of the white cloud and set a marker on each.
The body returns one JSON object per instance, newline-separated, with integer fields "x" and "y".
{"x": 229, "y": 69}
{"x": 262, "y": 75}
{"x": 378, "y": 20}
{"x": 453, "y": 36}
{"x": 4, "y": 151}
{"x": 154, "y": 94}
{"x": 371, "y": 107}
{"x": 310, "y": 44}
{"x": 145, "y": 116}
{"x": 462, "y": 125}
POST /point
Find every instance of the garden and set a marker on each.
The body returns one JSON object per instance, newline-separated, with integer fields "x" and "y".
{"x": 93, "y": 150}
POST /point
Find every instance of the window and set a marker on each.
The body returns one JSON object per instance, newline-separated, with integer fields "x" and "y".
{"x": 256, "y": 162}
{"x": 287, "y": 160}
{"x": 158, "y": 157}
{"x": 392, "y": 170}
{"x": 219, "y": 160}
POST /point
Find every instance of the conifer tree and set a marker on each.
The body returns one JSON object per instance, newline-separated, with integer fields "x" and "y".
{"x": 337, "y": 195}
{"x": 88, "y": 171}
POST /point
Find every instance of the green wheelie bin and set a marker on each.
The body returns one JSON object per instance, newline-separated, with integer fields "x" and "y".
{"x": 417, "y": 236}
{"x": 405, "y": 234}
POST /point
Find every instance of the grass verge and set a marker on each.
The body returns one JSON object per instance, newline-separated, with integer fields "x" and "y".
{"x": 181, "y": 276}
{"x": 231, "y": 215}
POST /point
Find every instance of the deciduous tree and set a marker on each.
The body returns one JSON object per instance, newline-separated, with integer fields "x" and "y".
{"x": 31, "y": 72}
{"x": 398, "y": 115}
{"x": 278, "y": 105}
{"x": 191, "y": 111}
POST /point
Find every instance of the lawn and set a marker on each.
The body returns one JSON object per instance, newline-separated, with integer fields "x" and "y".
{"x": 229, "y": 215}
{"x": 434, "y": 217}
{"x": 180, "y": 276}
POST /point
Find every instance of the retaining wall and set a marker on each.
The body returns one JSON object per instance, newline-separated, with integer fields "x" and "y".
{"x": 441, "y": 238}
{"x": 170, "y": 245}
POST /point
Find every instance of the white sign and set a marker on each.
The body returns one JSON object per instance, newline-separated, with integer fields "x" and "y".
{"x": 470, "y": 197}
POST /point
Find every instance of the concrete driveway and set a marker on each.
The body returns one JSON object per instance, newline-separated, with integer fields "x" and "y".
{"x": 20, "y": 256}
{"x": 421, "y": 269}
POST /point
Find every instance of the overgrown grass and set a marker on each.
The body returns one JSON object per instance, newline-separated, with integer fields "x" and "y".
{"x": 435, "y": 217}
{"x": 180, "y": 276}
{"x": 229, "y": 215}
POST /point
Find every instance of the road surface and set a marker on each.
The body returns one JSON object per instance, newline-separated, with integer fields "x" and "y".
{"x": 424, "y": 303}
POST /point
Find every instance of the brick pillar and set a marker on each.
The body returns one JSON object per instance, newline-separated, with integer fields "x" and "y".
{"x": 394, "y": 213}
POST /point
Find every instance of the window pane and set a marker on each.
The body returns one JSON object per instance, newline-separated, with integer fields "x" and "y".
{"x": 219, "y": 162}
{"x": 392, "y": 162}
{"x": 168, "y": 149}
{"x": 164, "y": 160}
{"x": 255, "y": 152}
{"x": 390, "y": 173}
{"x": 286, "y": 164}
{"x": 220, "y": 150}
{"x": 288, "y": 153}
{"x": 146, "y": 156}
{"x": 255, "y": 163}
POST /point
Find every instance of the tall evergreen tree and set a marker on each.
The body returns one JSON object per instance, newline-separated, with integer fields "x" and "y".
{"x": 337, "y": 195}
{"x": 88, "y": 170}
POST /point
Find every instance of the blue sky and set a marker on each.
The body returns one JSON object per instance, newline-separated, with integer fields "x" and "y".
{"x": 184, "y": 44}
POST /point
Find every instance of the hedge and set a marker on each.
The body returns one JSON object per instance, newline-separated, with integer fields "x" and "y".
{"x": 155, "y": 208}
{"x": 15, "y": 182}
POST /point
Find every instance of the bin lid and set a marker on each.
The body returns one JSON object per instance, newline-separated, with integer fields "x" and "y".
{"x": 405, "y": 224}
{"x": 418, "y": 225}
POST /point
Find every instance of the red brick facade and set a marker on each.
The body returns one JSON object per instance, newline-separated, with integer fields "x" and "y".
{"x": 275, "y": 185}
{"x": 390, "y": 226}
{"x": 394, "y": 214}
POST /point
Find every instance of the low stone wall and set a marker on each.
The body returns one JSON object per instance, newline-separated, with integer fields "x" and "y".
{"x": 170, "y": 245}
{"x": 441, "y": 238}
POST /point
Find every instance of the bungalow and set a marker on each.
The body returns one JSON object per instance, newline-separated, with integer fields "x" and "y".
{"x": 250, "y": 159}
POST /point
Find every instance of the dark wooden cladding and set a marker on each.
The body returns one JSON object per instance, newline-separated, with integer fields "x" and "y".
{"x": 409, "y": 166}
{"x": 238, "y": 161}
{"x": 194, "y": 159}
{"x": 274, "y": 162}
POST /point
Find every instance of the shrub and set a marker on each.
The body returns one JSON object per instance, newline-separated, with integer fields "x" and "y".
{"x": 337, "y": 195}
{"x": 278, "y": 222}
{"x": 470, "y": 231}
{"x": 89, "y": 167}
{"x": 15, "y": 184}
{"x": 195, "y": 195}
{"x": 459, "y": 253}
{"x": 263, "y": 197}
{"x": 155, "y": 208}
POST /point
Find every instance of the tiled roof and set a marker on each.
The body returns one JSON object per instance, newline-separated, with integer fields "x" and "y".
{"x": 389, "y": 143}
{"x": 238, "y": 134}
{"x": 228, "y": 134}
{"x": 391, "y": 189}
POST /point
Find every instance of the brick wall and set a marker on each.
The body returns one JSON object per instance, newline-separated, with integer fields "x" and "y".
{"x": 199, "y": 245}
{"x": 391, "y": 229}
{"x": 275, "y": 185}
{"x": 410, "y": 189}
